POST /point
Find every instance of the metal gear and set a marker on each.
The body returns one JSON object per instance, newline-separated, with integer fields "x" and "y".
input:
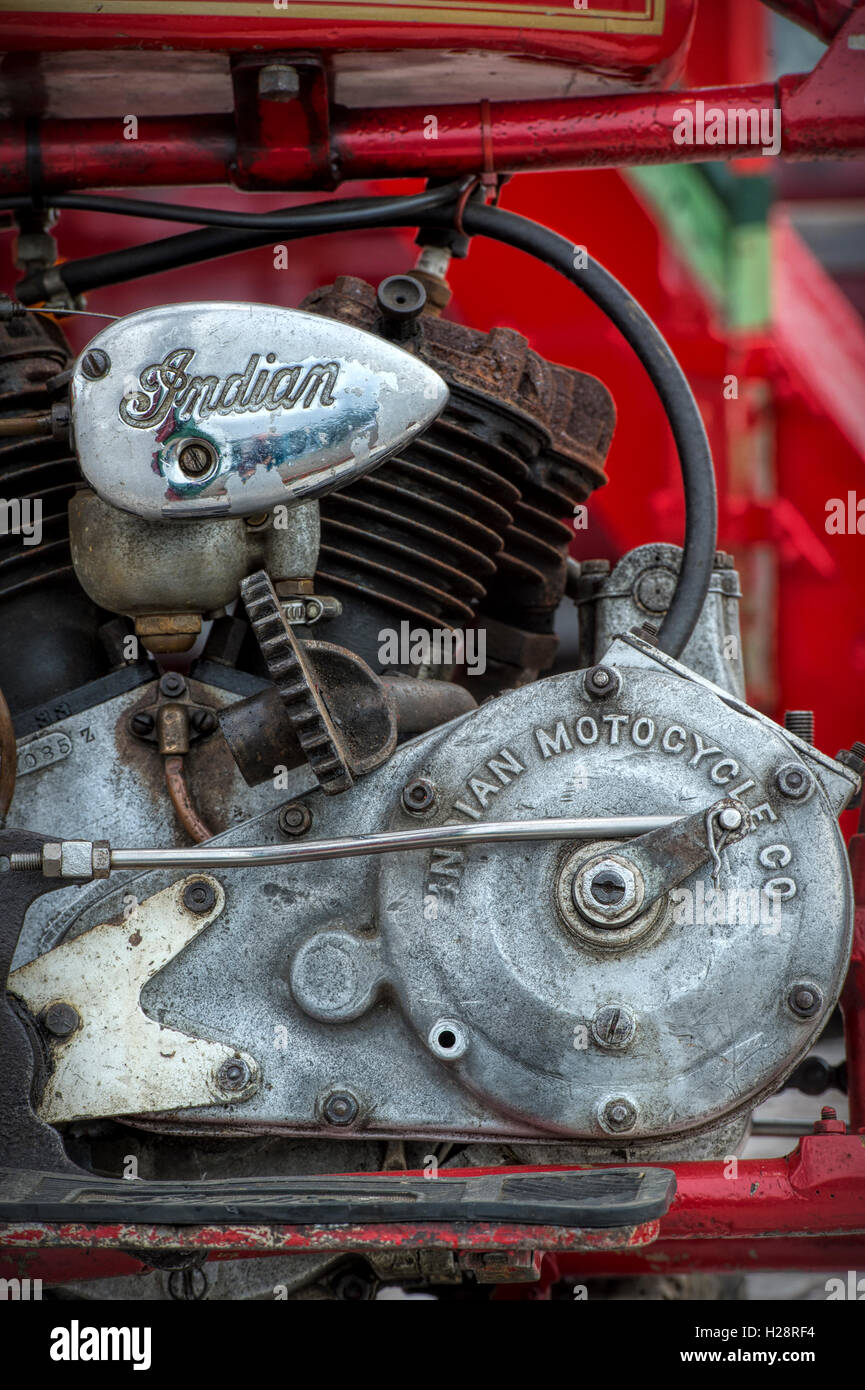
{"x": 294, "y": 677}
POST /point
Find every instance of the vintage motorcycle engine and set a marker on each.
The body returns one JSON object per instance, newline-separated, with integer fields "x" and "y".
{"x": 610, "y": 908}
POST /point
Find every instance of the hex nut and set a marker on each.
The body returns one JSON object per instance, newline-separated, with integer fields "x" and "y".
{"x": 601, "y": 681}
{"x": 52, "y": 859}
{"x": 199, "y": 896}
{"x": 607, "y": 890}
{"x": 278, "y": 82}
{"x": 340, "y": 1108}
{"x": 101, "y": 859}
{"x": 76, "y": 859}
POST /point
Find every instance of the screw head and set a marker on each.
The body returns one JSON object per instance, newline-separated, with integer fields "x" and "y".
{"x": 199, "y": 896}
{"x": 793, "y": 781}
{"x": 233, "y": 1075}
{"x": 608, "y": 886}
{"x": 613, "y": 1026}
{"x": 294, "y": 819}
{"x": 805, "y": 999}
{"x": 172, "y": 683}
{"x": 61, "y": 1020}
{"x": 142, "y": 724}
{"x": 196, "y": 458}
{"x": 600, "y": 681}
{"x": 418, "y": 795}
{"x": 340, "y": 1108}
{"x": 619, "y": 1115}
{"x": 95, "y": 364}
{"x": 204, "y": 721}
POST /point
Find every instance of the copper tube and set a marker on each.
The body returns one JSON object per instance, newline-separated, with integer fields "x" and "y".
{"x": 181, "y": 800}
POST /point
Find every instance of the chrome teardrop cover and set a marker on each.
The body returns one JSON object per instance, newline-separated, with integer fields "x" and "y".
{"x": 216, "y": 409}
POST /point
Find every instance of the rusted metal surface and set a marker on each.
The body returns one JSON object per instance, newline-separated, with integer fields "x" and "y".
{"x": 230, "y": 1241}
{"x": 468, "y": 519}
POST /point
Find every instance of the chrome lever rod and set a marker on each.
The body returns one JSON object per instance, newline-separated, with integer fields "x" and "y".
{"x": 387, "y": 842}
{"x": 87, "y": 859}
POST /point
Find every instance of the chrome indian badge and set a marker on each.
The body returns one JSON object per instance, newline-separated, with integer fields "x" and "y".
{"x": 231, "y": 409}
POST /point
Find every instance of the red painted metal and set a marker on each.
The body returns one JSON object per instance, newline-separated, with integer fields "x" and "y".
{"x": 805, "y": 1211}
{"x": 392, "y": 143}
{"x": 307, "y": 143}
{"x": 637, "y": 41}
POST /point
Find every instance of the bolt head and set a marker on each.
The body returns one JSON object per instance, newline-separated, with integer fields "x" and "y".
{"x": 278, "y": 82}
{"x": 172, "y": 683}
{"x": 340, "y": 1108}
{"x": 95, "y": 364}
{"x": 233, "y": 1075}
{"x": 794, "y": 781}
{"x": 199, "y": 896}
{"x": 61, "y": 1020}
{"x": 619, "y": 1115}
{"x": 418, "y": 795}
{"x": 805, "y": 999}
{"x": 600, "y": 681}
{"x": 294, "y": 819}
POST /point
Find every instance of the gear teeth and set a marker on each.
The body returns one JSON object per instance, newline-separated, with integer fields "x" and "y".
{"x": 287, "y": 670}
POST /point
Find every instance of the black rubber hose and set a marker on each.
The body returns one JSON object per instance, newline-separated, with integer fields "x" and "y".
{"x": 354, "y": 213}
{"x": 227, "y": 233}
{"x": 677, "y": 398}
{"x": 556, "y": 251}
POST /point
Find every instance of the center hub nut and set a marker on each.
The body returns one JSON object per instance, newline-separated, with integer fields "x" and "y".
{"x": 608, "y": 890}
{"x": 601, "y": 898}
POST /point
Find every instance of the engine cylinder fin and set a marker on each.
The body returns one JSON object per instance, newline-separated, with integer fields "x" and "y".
{"x": 432, "y": 540}
{"x": 445, "y": 607}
